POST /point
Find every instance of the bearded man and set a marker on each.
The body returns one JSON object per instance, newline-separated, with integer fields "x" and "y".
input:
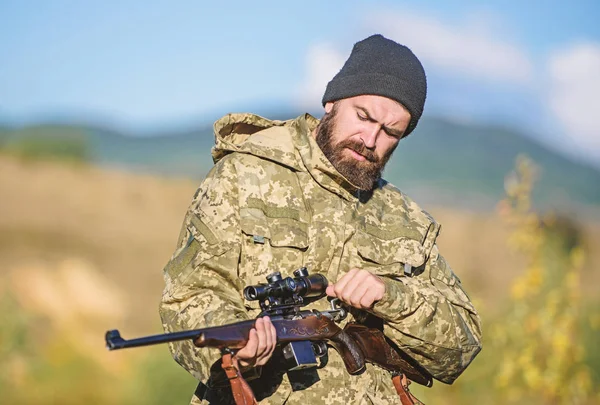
{"x": 303, "y": 193}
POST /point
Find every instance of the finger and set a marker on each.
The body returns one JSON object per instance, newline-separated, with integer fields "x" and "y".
{"x": 274, "y": 335}
{"x": 247, "y": 354}
{"x": 358, "y": 281}
{"x": 271, "y": 334}
{"x": 341, "y": 283}
{"x": 374, "y": 292}
{"x": 273, "y": 338}
{"x": 330, "y": 291}
{"x": 268, "y": 339}
{"x": 262, "y": 339}
{"x": 357, "y": 294}
{"x": 367, "y": 284}
{"x": 367, "y": 300}
{"x": 249, "y": 350}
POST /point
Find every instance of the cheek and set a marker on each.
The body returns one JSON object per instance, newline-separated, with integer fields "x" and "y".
{"x": 348, "y": 128}
{"x": 387, "y": 147}
{"x": 346, "y": 134}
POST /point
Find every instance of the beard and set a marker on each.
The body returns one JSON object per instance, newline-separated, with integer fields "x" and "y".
{"x": 362, "y": 174}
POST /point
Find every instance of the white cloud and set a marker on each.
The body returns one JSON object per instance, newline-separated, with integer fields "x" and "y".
{"x": 468, "y": 49}
{"x": 479, "y": 49}
{"x": 323, "y": 61}
{"x": 574, "y": 88}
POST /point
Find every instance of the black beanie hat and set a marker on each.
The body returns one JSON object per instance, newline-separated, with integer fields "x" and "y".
{"x": 382, "y": 67}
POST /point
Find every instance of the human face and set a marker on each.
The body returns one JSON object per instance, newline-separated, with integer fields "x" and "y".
{"x": 359, "y": 134}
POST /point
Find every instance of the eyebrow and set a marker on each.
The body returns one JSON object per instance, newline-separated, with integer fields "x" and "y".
{"x": 392, "y": 131}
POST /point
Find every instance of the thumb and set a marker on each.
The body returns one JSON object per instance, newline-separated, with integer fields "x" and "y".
{"x": 329, "y": 291}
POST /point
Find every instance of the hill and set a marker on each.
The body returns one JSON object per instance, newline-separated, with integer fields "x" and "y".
{"x": 442, "y": 163}
{"x": 456, "y": 160}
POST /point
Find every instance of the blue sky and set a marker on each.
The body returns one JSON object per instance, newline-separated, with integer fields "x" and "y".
{"x": 532, "y": 65}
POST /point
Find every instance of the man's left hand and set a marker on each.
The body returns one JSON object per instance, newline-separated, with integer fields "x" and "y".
{"x": 358, "y": 288}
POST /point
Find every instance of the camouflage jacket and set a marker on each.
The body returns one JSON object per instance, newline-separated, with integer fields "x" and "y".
{"x": 273, "y": 202}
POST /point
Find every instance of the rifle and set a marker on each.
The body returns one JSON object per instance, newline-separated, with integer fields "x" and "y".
{"x": 302, "y": 334}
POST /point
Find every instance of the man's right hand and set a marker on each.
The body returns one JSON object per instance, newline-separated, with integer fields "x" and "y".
{"x": 260, "y": 346}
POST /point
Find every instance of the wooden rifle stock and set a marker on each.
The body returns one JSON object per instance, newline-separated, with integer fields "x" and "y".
{"x": 313, "y": 328}
{"x": 356, "y": 343}
{"x": 377, "y": 350}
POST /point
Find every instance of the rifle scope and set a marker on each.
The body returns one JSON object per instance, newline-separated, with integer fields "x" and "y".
{"x": 303, "y": 285}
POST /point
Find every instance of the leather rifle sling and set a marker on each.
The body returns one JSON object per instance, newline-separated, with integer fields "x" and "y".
{"x": 242, "y": 393}
{"x": 406, "y": 397}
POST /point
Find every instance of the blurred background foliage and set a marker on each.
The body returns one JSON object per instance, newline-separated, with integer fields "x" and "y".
{"x": 541, "y": 348}
{"x": 51, "y": 346}
{"x": 459, "y": 162}
{"x": 39, "y": 142}
{"x": 81, "y": 252}
{"x": 101, "y": 151}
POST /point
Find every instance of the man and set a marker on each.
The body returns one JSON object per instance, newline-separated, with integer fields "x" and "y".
{"x": 288, "y": 194}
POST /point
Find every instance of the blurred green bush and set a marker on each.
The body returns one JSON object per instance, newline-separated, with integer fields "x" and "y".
{"x": 43, "y": 144}
{"x": 542, "y": 347}
{"x": 41, "y": 365}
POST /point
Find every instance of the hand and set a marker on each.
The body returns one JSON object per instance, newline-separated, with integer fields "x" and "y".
{"x": 358, "y": 288}
{"x": 260, "y": 346}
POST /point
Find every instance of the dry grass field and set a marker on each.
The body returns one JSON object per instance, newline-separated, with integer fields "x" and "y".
{"x": 126, "y": 226}
{"x": 86, "y": 246}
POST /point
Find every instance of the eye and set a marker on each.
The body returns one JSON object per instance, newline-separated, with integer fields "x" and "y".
{"x": 392, "y": 134}
{"x": 362, "y": 117}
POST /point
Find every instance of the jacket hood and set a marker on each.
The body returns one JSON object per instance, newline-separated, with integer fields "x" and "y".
{"x": 253, "y": 134}
{"x": 285, "y": 142}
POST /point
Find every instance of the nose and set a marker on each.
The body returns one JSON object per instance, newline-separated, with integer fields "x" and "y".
{"x": 369, "y": 136}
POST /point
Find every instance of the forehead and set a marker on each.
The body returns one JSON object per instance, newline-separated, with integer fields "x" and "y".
{"x": 381, "y": 107}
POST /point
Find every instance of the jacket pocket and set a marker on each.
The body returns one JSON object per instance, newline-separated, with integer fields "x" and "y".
{"x": 394, "y": 253}
{"x": 181, "y": 271}
{"x": 388, "y": 252}
{"x": 445, "y": 281}
{"x": 280, "y": 231}
{"x": 270, "y": 244}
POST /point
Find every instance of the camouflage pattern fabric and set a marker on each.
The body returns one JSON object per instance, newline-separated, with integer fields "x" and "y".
{"x": 273, "y": 202}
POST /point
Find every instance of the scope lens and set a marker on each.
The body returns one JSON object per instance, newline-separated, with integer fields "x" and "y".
{"x": 250, "y": 293}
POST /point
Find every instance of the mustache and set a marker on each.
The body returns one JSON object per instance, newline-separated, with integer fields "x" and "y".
{"x": 359, "y": 148}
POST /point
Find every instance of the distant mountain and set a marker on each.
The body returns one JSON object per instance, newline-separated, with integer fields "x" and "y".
{"x": 442, "y": 162}
{"x": 463, "y": 161}
{"x": 5, "y": 131}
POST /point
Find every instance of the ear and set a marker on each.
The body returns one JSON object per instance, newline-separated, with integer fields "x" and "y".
{"x": 328, "y": 107}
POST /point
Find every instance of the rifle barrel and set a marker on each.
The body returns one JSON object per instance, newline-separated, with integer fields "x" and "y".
{"x": 114, "y": 340}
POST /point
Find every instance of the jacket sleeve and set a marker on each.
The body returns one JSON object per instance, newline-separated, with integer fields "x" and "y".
{"x": 431, "y": 317}
{"x": 202, "y": 287}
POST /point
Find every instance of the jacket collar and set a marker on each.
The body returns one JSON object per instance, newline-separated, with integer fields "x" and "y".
{"x": 290, "y": 143}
